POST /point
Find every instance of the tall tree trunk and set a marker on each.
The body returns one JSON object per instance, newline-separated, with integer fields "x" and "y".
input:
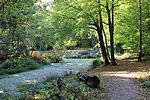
{"x": 111, "y": 30}
{"x": 103, "y": 49}
{"x": 140, "y": 14}
{"x": 100, "y": 36}
{"x": 113, "y": 62}
{"x": 106, "y": 44}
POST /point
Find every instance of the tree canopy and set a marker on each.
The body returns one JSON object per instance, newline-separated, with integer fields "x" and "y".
{"x": 36, "y": 25}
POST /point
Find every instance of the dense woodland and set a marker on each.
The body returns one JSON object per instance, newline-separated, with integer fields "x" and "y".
{"x": 29, "y": 25}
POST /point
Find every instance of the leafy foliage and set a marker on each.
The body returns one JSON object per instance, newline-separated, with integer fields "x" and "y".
{"x": 72, "y": 89}
{"x": 46, "y": 57}
{"x": 145, "y": 84}
{"x": 12, "y": 66}
{"x": 127, "y": 25}
{"x": 54, "y": 58}
{"x": 14, "y": 20}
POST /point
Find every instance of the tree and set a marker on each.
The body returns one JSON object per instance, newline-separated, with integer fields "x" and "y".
{"x": 100, "y": 35}
{"x": 140, "y": 14}
{"x": 128, "y": 23}
{"x": 111, "y": 29}
{"x": 14, "y": 19}
{"x": 86, "y": 14}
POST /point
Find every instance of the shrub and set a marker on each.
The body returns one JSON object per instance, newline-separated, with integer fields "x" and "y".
{"x": 145, "y": 83}
{"x": 46, "y": 57}
{"x": 54, "y": 58}
{"x": 71, "y": 89}
{"x": 12, "y": 66}
{"x": 40, "y": 60}
{"x": 96, "y": 63}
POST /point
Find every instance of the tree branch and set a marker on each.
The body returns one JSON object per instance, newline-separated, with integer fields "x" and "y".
{"x": 105, "y": 23}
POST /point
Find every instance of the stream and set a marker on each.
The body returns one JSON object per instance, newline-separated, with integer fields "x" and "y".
{"x": 10, "y": 83}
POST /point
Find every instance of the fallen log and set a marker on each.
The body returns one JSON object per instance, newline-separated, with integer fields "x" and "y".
{"x": 91, "y": 80}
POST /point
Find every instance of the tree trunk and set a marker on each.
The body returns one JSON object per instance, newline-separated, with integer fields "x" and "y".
{"x": 140, "y": 52}
{"x": 99, "y": 27}
{"x": 111, "y": 30}
{"x": 106, "y": 44}
{"x": 113, "y": 62}
{"x": 103, "y": 49}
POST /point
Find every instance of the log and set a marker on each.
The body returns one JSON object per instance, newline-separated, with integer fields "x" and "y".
{"x": 91, "y": 80}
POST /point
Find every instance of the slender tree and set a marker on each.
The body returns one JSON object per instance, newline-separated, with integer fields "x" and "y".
{"x": 140, "y": 15}
{"x": 111, "y": 29}
{"x": 100, "y": 35}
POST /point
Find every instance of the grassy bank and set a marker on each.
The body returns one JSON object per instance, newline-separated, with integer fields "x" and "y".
{"x": 21, "y": 64}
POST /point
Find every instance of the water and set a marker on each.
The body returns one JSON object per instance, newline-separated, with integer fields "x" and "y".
{"x": 11, "y": 82}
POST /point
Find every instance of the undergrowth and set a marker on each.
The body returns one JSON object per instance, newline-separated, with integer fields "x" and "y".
{"x": 96, "y": 63}
{"x": 12, "y": 66}
{"x": 16, "y": 65}
{"x": 48, "y": 57}
{"x": 145, "y": 85}
{"x": 72, "y": 89}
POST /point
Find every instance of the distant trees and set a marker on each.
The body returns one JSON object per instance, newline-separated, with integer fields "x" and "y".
{"x": 98, "y": 15}
{"x": 23, "y": 28}
{"x": 14, "y": 20}
{"x": 129, "y": 26}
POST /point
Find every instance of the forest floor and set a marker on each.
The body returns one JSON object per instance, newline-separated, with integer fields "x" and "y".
{"x": 123, "y": 79}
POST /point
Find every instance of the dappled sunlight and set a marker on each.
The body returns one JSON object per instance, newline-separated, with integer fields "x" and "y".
{"x": 123, "y": 74}
{"x": 142, "y": 75}
{"x": 126, "y": 69}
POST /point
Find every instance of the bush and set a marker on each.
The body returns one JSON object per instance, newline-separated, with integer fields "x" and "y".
{"x": 41, "y": 60}
{"x": 96, "y": 63}
{"x": 71, "y": 89}
{"x": 46, "y": 57}
{"x": 54, "y": 58}
{"x": 145, "y": 83}
{"x": 12, "y": 66}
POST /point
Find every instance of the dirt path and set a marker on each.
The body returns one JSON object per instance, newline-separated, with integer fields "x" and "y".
{"x": 121, "y": 79}
{"x": 122, "y": 86}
